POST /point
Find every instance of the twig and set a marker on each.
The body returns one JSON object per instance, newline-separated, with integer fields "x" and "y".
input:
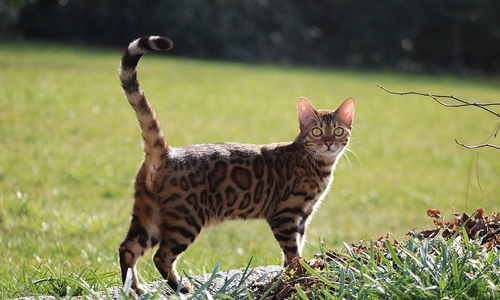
{"x": 462, "y": 104}
{"x": 477, "y": 146}
{"x": 436, "y": 98}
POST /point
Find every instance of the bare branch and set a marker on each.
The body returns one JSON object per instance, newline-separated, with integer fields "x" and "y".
{"x": 477, "y": 146}
{"x": 437, "y": 97}
{"x": 462, "y": 103}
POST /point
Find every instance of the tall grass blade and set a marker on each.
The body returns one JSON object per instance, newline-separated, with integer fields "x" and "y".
{"x": 318, "y": 276}
{"x": 125, "y": 290}
{"x": 392, "y": 252}
{"x": 301, "y": 292}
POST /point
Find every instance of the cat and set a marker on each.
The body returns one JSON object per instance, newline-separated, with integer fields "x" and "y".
{"x": 180, "y": 190}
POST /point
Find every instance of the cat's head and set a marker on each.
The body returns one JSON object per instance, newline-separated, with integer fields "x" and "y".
{"x": 325, "y": 133}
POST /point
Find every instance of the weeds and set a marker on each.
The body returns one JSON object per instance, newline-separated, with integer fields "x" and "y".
{"x": 458, "y": 266}
{"x": 66, "y": 281}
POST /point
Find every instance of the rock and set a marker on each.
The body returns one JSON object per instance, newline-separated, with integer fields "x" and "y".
{"x": 229, "y": 282}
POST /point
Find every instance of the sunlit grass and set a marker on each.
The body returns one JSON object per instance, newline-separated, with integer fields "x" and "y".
{"x": 70, "y": 145}
{"x": 431, "y": 268}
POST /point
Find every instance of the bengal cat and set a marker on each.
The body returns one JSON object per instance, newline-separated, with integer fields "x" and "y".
{"x": 180, "y": 190}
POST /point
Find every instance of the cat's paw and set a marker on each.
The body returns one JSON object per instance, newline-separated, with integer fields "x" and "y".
{"x": 187, "y": 287}
{"x": 140, "y": 290}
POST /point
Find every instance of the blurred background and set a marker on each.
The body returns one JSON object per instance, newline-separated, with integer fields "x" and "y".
{"x": 459, "y": 36}
{"x": 70, "y": 144}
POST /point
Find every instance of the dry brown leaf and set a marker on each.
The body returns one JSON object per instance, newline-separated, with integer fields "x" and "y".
{"x": 434, "y": 213}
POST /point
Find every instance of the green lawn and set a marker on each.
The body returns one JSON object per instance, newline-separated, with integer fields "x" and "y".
{"x": 70, "y": 146}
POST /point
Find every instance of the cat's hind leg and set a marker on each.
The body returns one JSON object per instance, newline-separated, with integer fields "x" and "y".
{"x": 143, "y": 233}
{"x": 138, "y": 241}
{"x": 175, "y": 238}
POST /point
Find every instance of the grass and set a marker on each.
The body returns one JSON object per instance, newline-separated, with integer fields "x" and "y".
{"x": 418, "y": 269}
{"x": 70, "y": 146}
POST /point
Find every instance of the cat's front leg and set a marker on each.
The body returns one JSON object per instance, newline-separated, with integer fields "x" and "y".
{"x": 289, "y": 233}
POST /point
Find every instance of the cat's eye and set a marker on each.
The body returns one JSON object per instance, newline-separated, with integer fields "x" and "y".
{"x": 316, "y": 132}
{"x": 338, "y": 131}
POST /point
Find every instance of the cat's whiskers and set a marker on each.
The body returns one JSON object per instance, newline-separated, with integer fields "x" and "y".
{"x": 314, "y": 159}
{"x": 307, "y": 153}
{"x": 314, "y": 163}
{"x": 317, "y": 153}
{"x": 342, "y": 159}
{"x": 345, "y": 156}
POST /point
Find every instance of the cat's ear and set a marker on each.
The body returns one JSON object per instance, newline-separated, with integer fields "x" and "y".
{"x": 346, "y": 111}
{"x": 306, "y": 111}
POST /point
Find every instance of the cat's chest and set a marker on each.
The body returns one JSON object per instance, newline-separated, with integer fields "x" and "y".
{"x": 326, "y": 181}
{"x": 312, "y": 182}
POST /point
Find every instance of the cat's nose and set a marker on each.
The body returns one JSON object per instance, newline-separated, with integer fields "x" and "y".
{"x": 328, "y": 144}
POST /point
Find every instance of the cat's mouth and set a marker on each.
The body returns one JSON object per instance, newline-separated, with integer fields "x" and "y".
{"x": 331, "y": 151}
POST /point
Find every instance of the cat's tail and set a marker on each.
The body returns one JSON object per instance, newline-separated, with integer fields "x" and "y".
{"x": 154, "y": 141}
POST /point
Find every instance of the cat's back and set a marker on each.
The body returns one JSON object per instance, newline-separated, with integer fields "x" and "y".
{"x": 228, "y": 153}
{"x": 216, "y": 166}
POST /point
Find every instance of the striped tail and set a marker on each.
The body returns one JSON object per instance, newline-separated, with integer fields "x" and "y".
{"x": 154, "y": 141}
